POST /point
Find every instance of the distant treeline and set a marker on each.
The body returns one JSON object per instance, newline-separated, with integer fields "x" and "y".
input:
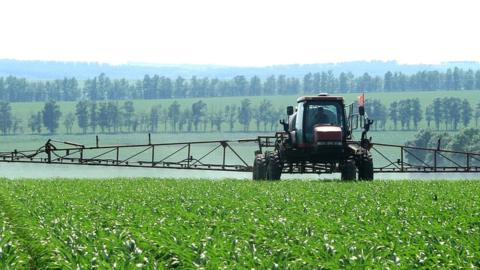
{"x": 103, "y": 88}
{"x": 51, "y": 70}
{"x": 449, "y": 113}
{"x": 115, "y": 117}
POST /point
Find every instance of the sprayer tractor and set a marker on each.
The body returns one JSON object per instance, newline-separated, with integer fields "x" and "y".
{"x": 318, "y": 135}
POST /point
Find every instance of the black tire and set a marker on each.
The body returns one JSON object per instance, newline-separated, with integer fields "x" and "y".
{"x": 349, "y": 171}
{"x": 274, "y": 166}
{"x": 365, "y": 170}
{"x": 259, "y": 167}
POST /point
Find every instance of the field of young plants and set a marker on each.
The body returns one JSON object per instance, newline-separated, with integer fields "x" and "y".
{"x": 231, "y": 224}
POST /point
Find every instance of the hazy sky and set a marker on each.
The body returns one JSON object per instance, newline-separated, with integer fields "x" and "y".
{"x": 241, "y": 33}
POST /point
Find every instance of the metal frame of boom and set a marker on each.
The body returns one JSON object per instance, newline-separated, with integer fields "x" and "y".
{"x": 167, "y": 155}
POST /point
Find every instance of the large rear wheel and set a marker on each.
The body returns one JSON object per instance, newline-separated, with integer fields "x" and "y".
{"x": 365, "y": 170}
{"x": 259, "y": 167}
{"x": 274, "y": 166}
{"x": 349, "y": 171}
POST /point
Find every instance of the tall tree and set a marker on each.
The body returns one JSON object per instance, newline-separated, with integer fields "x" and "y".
{"x": 174, "y": 115}
{"x": 393, "y": 113}
{"x": 154, "y": 118}
{"x": 129, "y": 114}
{"x": 217, "y": 118}
{"x": 90, "y": 88}
{"x": 265, "y": 108}
{"x": 378, "y": 112}
{"x": 5, "y": 117}
{"x": 416, "y": 111}
{"x": 82, "y": 115}
{"x": 245, "y": 114}
{"x": 404, "y": 109}
{"x": 477, "y": 80}
{"x": 17, "y": 124}
{"x": 104, "y": 84}
{"x": 68, "y": 122}
{"x": 199, "y": 111}
{"x": 429, "y": 114}
{"x": 477, "y": 114}
{"x": 308, "y": 83}
{"x": 388, "y": 81}
{"x": 93, "y": 113}
{"x": 240, "y": 85}
{"x": 255, "y": 86}
{"x": 50, "y": 116}
{"x": 453, "y": 109}
{"x": 114, "y": 116}
{"x": 457, "y": 78}
{"x": 180, "y": 88}
{"x": 469, "y": 80}
{"x": 35, "y": 122}
{"x": 270, "y": 86}
{"x": 103, "y": 121}
{"x": 466, "y": 113}
{"x": 231, "y": 116}
{"x": 185, "y": 119}
{"x": 282, "y": 85}
{"x": 437, "y": 112}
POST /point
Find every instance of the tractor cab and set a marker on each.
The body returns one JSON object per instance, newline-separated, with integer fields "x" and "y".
{"x": 318, "y": 138}
{"x": 318, "y": 121}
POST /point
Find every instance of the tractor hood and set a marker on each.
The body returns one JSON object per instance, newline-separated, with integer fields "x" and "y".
{"x": 327, "y": 133}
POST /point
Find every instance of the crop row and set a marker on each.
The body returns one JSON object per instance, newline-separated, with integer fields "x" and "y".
{"x": 159, "y": 224}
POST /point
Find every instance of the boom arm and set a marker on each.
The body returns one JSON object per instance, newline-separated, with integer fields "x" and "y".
{"x": 226, "y": 155}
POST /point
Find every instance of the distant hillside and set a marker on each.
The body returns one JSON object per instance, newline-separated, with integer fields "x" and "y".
{"x": 81, "y": 70}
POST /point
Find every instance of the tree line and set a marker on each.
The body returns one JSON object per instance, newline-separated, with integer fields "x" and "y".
{"x": 449, "y": 113}
{"x": 103, "y": 88}
{"x": 117, "y": 117}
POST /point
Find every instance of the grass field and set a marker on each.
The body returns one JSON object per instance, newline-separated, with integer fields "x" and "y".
{"x": 229, "y": 224}
{"x": 23, "y": 109}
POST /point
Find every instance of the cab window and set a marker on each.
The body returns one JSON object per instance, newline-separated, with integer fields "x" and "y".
{"x": 326, "y": 113}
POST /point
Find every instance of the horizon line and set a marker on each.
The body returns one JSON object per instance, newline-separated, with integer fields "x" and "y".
{"x": 149, "y": 64}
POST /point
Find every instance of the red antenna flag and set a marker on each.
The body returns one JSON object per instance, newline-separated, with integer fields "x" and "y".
{"x": 361, "y": 100}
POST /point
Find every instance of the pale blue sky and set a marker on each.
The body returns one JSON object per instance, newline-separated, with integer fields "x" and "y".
{"x": 241, "y": 33}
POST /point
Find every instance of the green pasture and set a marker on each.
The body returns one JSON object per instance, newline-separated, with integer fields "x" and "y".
{"x": 24, "y": 109}
{"x": 231, "y": 224}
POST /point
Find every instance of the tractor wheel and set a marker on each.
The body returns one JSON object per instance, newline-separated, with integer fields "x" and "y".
{"x": 365, "y": 170}
{"x": 349, "y": 171}
{"x": 259, "y": 167}
{"x": 274, "y": 166}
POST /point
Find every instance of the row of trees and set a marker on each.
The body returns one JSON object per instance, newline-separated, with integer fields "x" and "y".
{"x": 406, "y": 112}
{"x": 114, "y": 117}
{"x": 48, "y": 117}
{"x": 447, "y": 113}
{"x": 102, "y": 88}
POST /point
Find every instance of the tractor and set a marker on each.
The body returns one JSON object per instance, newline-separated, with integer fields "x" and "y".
{"x": 317, "y": 137}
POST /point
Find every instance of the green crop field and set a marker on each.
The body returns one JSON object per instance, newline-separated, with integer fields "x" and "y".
{"x": 24, "y": 109}
{"x": 231, "y": 224}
